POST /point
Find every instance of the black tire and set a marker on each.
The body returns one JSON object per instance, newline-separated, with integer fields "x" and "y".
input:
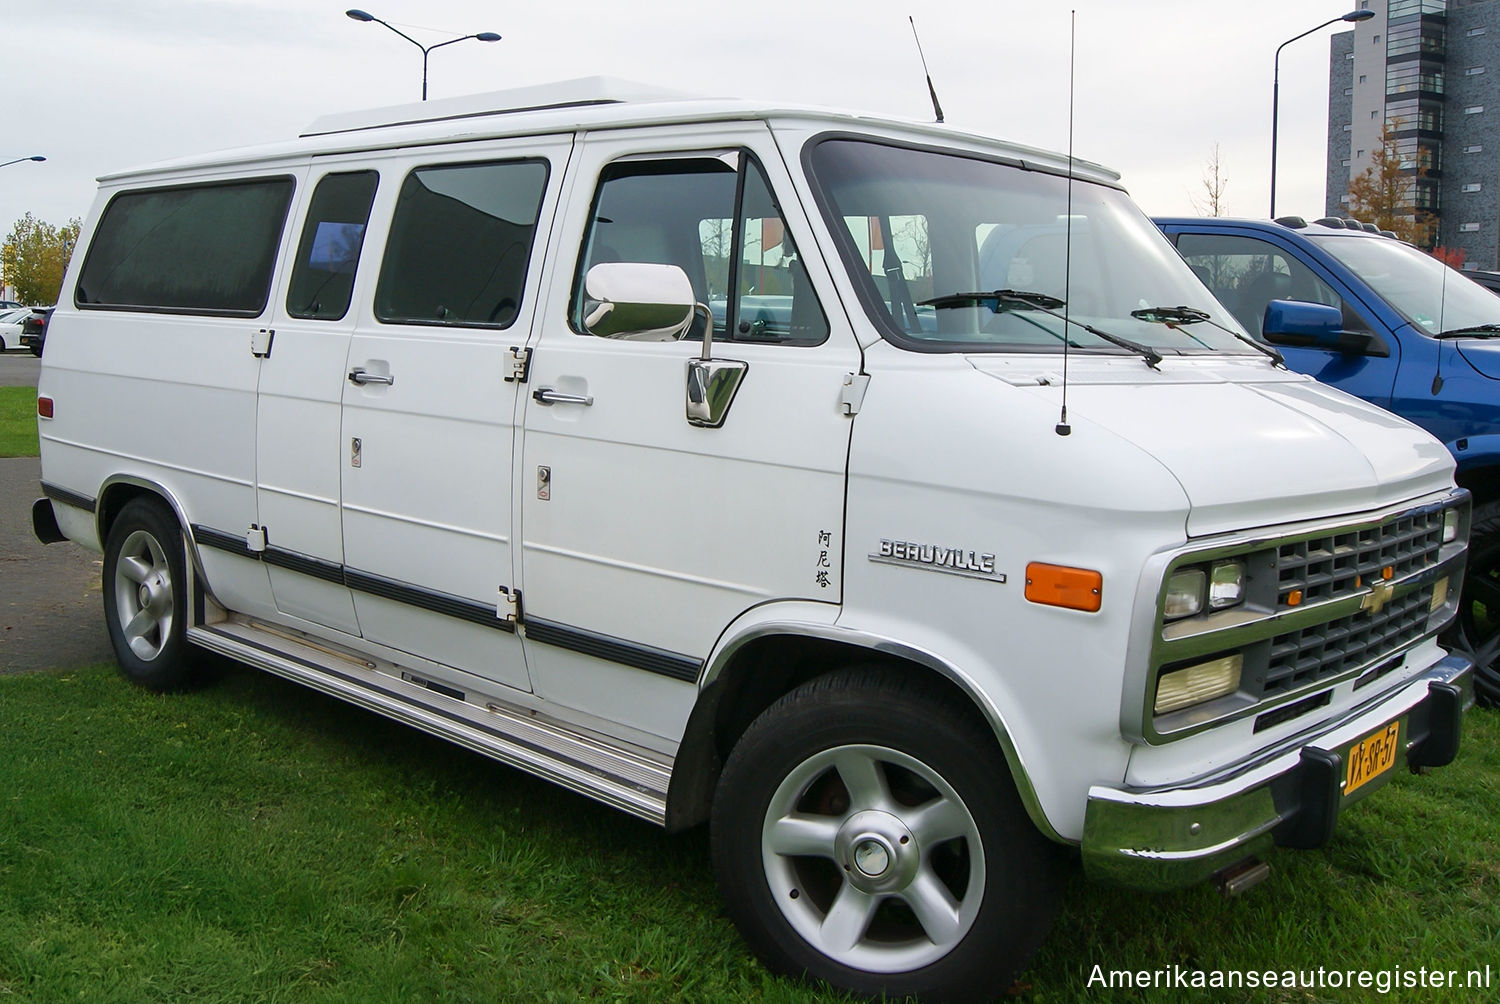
{"x": 145, "y": 601}
{"x": 928, "y": 760}
{"x": 1476, "y": 632}
{"x": 36, "y": 351}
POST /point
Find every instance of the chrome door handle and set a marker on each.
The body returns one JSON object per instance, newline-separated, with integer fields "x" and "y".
{"x": 546, "y": 395}
{"x": 362, "y": 376}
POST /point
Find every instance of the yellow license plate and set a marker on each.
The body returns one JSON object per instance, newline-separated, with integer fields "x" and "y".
{"x": 1371, "y": 757}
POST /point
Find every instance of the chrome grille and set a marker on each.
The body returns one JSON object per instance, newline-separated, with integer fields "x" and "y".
{"x": 1326, "y": 650}
{"x": 1340, "y": 564}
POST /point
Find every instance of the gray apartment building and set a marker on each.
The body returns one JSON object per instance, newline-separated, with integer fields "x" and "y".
{"x": 1431, "y": 68}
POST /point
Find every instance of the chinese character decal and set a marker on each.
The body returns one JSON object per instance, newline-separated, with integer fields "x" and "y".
{"x": 824, "y": 564}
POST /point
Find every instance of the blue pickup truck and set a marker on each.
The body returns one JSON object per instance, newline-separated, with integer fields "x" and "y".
{"x": 1416, "y": 338}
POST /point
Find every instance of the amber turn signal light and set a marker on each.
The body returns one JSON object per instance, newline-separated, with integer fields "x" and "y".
{"x": 1061, "y": 586}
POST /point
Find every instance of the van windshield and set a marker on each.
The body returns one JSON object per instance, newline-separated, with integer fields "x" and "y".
{"x": 1420, "y": 288}
{"x": 923, "y": 232}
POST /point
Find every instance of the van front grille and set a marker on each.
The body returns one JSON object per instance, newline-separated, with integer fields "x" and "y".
{"x": 1341, "y": 563}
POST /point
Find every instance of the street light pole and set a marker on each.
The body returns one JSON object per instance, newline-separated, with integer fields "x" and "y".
{"x": 483, "y": 36}
{"x": 1352, "y": 16}
{"x": 20, "y": 160}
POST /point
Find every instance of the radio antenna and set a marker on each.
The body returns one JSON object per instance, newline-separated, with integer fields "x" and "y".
{"x": 937, "y": 108}
{"x": 1063, "y": 428}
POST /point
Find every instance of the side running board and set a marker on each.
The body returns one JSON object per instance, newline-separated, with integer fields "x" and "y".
{"x": 631, "y": 779}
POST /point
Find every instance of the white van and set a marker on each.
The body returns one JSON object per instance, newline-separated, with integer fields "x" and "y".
{"x": 866, "y": 488}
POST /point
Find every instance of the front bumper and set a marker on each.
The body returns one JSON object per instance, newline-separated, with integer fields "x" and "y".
{"x": 1169, "y": 838}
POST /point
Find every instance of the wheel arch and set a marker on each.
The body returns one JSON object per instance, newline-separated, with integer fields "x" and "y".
{"x": 1482, "y": 478}
{"x": 753, "y": 669}
{"x": 120, "y": 489}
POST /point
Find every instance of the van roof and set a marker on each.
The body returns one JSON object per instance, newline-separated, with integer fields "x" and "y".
{"x": 566, "y": 106}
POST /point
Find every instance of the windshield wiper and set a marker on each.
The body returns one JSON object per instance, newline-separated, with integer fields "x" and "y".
{"x": 998, "y": 299}
{"x": 1170, "y": 315}
{"x": 1475, "y": 331}
{"x": 1192, "y": 315}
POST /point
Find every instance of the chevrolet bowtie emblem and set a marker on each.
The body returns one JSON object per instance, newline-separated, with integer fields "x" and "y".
{"x": 1379, "y": 595}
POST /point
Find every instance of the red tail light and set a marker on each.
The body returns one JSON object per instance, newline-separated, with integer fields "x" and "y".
{"x": 44, "y": 407}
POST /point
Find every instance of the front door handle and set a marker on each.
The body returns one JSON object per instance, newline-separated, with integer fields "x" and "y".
{"x": 546, "y": 395}
{"x": 362, "y": 376}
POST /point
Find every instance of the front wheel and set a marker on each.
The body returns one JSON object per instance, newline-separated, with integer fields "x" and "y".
{"x": 1477, "y": 631}
{"x": 145, "y": 604}
{"x": 867, "y": 833}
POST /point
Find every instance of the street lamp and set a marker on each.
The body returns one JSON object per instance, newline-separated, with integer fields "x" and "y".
{"x": 20, "y": 160}
{"x": 483, "y": 36}
{"x": 1352, "y": 16}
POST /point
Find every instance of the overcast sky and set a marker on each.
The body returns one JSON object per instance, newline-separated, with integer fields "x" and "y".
{"x": 100, "y": 85}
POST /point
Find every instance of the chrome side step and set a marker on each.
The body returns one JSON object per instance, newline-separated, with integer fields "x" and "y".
{"x": 629, "y": 779}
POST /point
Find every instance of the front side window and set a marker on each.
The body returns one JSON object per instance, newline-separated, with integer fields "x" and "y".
{"x": 323, "y": 277}
{"x": 199, "y": 249}
{"x": 961, "y": 253}
{"x": 716, "y": 218}
{"x": 1245, "y": 274}
{"x": 460, "y": 243}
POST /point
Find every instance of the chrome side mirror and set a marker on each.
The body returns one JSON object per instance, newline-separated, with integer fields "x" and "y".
{"x": 637, "y": 301}
{"x": 711, "y": 386}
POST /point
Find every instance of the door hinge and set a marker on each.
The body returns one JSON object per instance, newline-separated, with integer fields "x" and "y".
{"x": 509, "y": 608}
{"x": 261, "y": 342}
{"x": 255, "y": 539}
{"x": 517, "y": 365}
{"x": 853, "y": 394}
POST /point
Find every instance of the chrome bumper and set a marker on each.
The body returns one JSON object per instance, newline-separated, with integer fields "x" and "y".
{"x": 1170, "y": 838}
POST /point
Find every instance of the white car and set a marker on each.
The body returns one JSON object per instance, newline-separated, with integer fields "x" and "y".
{"x": 10, "y": 327}
{"x": 723, "y": 463}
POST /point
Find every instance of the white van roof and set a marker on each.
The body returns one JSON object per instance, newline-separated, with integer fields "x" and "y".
{"x": 580, "y": 93}
{"x": 566, "y": 106}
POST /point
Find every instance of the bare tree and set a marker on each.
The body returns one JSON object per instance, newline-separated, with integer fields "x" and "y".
{"x": 1214, "y": 182}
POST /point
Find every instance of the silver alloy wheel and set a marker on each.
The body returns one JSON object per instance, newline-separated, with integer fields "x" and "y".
{"x": 143, "y": 595}
{"x": 881, "y": 850}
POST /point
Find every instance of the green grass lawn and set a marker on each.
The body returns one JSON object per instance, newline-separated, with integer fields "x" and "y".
{"x": 18, "y": 422}
{"x": 253, "y": 841}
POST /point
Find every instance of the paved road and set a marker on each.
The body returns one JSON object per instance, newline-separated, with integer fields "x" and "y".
{"x": 19, "y": 369}
{"x": 51, "y": 613}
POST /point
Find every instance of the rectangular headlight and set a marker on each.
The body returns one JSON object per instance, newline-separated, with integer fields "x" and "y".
{"x": 1182, "y": 688}
{"x": 1226, "y": 584}
{"x": 1450, "y": 526}
{"x": 1185, "y": 593}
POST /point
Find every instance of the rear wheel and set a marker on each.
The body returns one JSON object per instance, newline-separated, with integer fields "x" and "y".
{"x": 868, "y": 834}
{"x": 145, "y": 606}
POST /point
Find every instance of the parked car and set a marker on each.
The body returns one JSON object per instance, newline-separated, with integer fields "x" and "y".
{"x": 1489, "y": 280}
{"x": 34, "y": 329}
{"x": 853, "y": 569}
{"x": 10, "y": 326}
{"x": 1416, "y": 337}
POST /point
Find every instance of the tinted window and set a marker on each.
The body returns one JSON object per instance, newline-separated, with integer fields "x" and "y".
{"x": 323, "y": 277}
{"x": 203, "y": 249}
{"x": 460, "y": 242}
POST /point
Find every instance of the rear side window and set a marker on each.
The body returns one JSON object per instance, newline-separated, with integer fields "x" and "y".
{"x": 323, "y": 277}
{"x": 460, "y": 242}
{"x": 199, "y": 249}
